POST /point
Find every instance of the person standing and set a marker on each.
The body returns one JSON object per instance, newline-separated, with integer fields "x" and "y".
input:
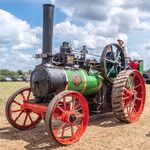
{"x": 121, "y": 44}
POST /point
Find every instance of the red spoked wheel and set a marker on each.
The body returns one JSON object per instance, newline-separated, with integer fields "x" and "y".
{"x": 67, "y": 117}
{"x": 18, "y": 116}
{"x": 128, "y": 95}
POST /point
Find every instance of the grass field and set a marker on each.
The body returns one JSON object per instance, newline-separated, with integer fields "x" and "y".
{"x": 7, "y": 88}
{"x": 103, "y": 133}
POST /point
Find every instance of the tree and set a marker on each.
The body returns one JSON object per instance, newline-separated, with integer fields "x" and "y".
{"x": 20, "y": 72}
{"x": 8, "y": 73}
{"x": 30, "y": 71}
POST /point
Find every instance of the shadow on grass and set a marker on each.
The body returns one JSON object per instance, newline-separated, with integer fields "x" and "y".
{"x": 147, "y": 134}
{"x": 37, "y": 138}
{"x": 105, "y": 120}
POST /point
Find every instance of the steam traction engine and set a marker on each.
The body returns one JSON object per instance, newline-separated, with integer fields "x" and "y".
{"x": 65, "y": 89}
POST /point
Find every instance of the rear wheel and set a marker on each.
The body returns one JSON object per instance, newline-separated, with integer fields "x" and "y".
{"x": 18, "y": 116}
{"x": 67, "y": 117}
{"x": 128, "y": 96}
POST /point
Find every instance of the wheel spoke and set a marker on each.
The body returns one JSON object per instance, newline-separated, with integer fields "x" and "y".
{"x": 72, "y": 130}
{"x": 77, "y": 125}
{"x": 28, "y": 95}
{"x": 116, "y": 71}
{"x": 18, "y": 116}
{"x": 137, "y": 86}
{"x": 23, "y": 96}
{"x": 61, "y": 109}
{"x": 110, "y": 61}
{"x": 134, "y": 110}
{"x": 78, "y": 106}
{"x": 129, "y": 109}
{"x": 63, "y": 131}
{"x": 17, "y": 103}
{"x": 30, "y": 118}
{"x": 25, "y": 120}
{"x": 139, "y": 99}
{"x": 121, "y": 67}
{"x": 13, "y": 111}
{"x": 130, "y": 83}
{"x": 73, "y": 102}
{"x": 126, "y": 97}
{"x": 112, "y": 68}
{"x": 61, "y": 127}
{"x": 126, "y": 103}
{"x": 127, "y": 90}
{"x": 80, "y": 116}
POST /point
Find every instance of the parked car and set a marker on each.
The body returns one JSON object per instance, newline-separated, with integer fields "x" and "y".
{"x": 146, "y": 78}
{"x": 8, "y": 79}
{"x": 23, "y": 78}
{"x": 16, "y": 79}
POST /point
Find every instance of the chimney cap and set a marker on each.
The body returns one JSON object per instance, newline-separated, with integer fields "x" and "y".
{"x": 48, "y": 5}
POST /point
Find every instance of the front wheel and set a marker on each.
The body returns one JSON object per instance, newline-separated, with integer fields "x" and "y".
{"x": 67, "y": 117}
{"x": 18, "y": 116}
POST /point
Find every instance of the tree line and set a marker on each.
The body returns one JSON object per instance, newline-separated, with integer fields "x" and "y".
{"x": 8, "y": 73}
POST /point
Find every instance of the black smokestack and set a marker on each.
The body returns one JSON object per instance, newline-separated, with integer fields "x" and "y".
{"x": 48, "y": 15}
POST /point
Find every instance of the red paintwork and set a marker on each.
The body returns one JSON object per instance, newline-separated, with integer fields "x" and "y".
{"x": 134, "y": 107}
{"x": 36, "y": 108}
{"x": 23, "y": 115}
{"x": 134, "y": 65}
{"x": 62, "y": 110}
{"x": 78, "y": 107}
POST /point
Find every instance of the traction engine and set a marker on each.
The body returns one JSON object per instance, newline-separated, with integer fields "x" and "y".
{"x": 65, "y": 89}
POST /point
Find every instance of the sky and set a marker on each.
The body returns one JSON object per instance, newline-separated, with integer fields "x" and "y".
{"x": 93, "y": 23}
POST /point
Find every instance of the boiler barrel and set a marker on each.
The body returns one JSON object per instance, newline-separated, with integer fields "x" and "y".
{"x": 45, "y": 81}
{"x": 83, "y": 82}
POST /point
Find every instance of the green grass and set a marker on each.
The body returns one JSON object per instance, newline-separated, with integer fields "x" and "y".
{"x": 8, "y": 88}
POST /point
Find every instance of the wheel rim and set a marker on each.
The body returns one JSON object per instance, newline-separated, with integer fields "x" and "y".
{"x": 113, "y": 61}
{"x": 17, "y": 115}
{"x": 69, "y": 117}
{"x": 133, "y": 97}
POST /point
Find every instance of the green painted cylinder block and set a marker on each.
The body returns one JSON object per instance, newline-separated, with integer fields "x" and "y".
{"x": 82, "y": 81}
{"x": 141, "y": 67}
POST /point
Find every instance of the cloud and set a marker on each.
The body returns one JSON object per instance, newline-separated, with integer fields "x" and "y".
{"x": 102, "y": 22}
{"x": 89, "y": 35}
{"x": 92, "y": 23}
{"x": 140, "y": 4}
{"x": 147, "y": 46}
{"x": 128, "y": 20}
{"x": 125, "y": 19}
{"x": 135, "y": 55}
{"x": 87, "y": 9}
{"x": 17, "y": 41}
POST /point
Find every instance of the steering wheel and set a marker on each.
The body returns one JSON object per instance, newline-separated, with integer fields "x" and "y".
{"x": 112, "y": 61}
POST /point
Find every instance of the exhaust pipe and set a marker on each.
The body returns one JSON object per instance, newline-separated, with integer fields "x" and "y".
{"x": 48, "y": 15}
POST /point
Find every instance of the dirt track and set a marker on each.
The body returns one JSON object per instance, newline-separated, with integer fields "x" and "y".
{"x": 103, "y": 133}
